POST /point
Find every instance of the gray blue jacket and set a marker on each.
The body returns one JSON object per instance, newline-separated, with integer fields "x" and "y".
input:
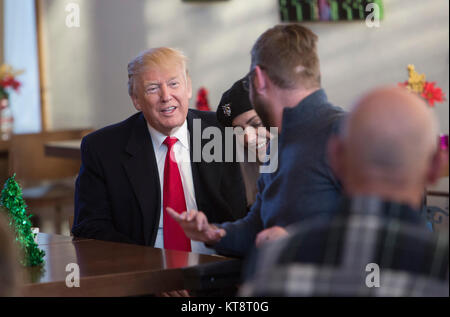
{"x": 303, "y": 186}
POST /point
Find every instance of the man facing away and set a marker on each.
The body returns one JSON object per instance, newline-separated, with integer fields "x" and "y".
{"x": 378, "y": 244}
{"x": 285, "y": 91}
{"x": 133, "y": 170}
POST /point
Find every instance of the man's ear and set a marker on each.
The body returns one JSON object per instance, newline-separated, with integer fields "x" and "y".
{"x": 189, "y": 86}
{"x": 438, "y": 163}
{"x": 260, "y": 80}
{"x": 135, "y": 101}
{"x": 335, "y": 152}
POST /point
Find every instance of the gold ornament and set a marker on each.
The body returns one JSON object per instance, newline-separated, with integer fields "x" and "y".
{"x": 7, "y": 71}
{"x": 416, "y": 81}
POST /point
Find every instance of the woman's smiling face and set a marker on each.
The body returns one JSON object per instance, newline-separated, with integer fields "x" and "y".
{"x": 256, "y": 138}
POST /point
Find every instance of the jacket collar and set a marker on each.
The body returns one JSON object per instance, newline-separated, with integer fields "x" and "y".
{"x": 306, "y": 109}
{"x": 142, "y": 172}
{"x": 180, "y": 133}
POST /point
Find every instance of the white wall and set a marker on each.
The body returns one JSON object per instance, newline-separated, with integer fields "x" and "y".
{"x": 355, "y": 58}
{"x": 87, "y": 65}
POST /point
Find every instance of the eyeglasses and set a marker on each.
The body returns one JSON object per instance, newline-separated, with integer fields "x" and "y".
{"x": 247, "y": 79}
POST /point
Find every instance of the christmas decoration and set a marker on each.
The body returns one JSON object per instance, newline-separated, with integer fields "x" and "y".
{"x": 13, "y": 204}
{"x": 427, "y": 90}
{"x": 7, "y": 80}
{"x": 202, "y": 100}
{"x": 432, "y": 94}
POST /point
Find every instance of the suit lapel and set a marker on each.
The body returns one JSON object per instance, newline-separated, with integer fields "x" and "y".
{"x": 206, "y": 176}
{"x": 142, "y": 172}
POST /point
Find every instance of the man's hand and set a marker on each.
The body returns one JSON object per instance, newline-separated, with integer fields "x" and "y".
{"x": 180, "y": 293}
{"x": 196, "y": 227}
{"x": 270, "y": 234}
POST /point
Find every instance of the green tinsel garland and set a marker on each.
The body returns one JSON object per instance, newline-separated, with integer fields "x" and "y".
{"x": 14, "y": 205}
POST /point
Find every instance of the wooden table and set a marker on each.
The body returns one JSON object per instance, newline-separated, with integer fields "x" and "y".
{"x": 117, "y": 269}
{"x": 65, "y": 149}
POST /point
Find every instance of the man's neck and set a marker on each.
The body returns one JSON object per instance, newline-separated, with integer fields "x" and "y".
{"x": 179, "y": 132}
{"x": 289, "y": 98}
{"x": 402, "y": 194}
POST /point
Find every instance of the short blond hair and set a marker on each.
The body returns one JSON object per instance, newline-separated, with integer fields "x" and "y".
{"x": 154, "y": 57}
{"x": 288, "y": 54}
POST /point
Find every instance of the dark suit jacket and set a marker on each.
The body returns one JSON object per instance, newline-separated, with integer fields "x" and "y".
{"x": 118, "y": 192}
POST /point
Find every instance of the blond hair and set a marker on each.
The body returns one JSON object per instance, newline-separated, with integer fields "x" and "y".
{"x": 288, "y": 54}
{"x": 154, "y": 57}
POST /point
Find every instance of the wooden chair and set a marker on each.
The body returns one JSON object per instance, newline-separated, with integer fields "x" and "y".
{"x": 45, "y": 181}
{"x": 437, "y": 216}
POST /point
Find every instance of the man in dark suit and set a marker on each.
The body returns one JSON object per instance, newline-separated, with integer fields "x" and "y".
{"x": 132, "y": 169}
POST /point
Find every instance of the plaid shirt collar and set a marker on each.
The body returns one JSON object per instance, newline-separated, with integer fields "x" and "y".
{"x": 373, "y": 205}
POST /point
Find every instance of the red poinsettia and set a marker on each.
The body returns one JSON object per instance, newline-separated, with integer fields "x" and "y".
{"x": 427, "y": 90}
{"x": 202, "y": 100}
{"x": 432, "y": 94}
{"x": 10, "y": 82}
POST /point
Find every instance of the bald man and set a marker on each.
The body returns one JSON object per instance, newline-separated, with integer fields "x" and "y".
{"x": 378, "y": 244}
{"x": 388, "y": 147}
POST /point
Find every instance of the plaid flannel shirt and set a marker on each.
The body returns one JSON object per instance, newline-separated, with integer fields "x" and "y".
{"x": 370, "y": 248}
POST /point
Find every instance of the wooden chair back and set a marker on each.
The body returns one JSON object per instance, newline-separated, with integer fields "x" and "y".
{"x": 29, "y": 162}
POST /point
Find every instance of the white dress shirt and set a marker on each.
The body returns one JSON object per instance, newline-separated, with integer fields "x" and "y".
{"x": 182, "y": 156}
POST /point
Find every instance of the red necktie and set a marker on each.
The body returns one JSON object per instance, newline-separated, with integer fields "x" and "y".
{"x": 173, "y": 196}
{"x": 176, "y": 260}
